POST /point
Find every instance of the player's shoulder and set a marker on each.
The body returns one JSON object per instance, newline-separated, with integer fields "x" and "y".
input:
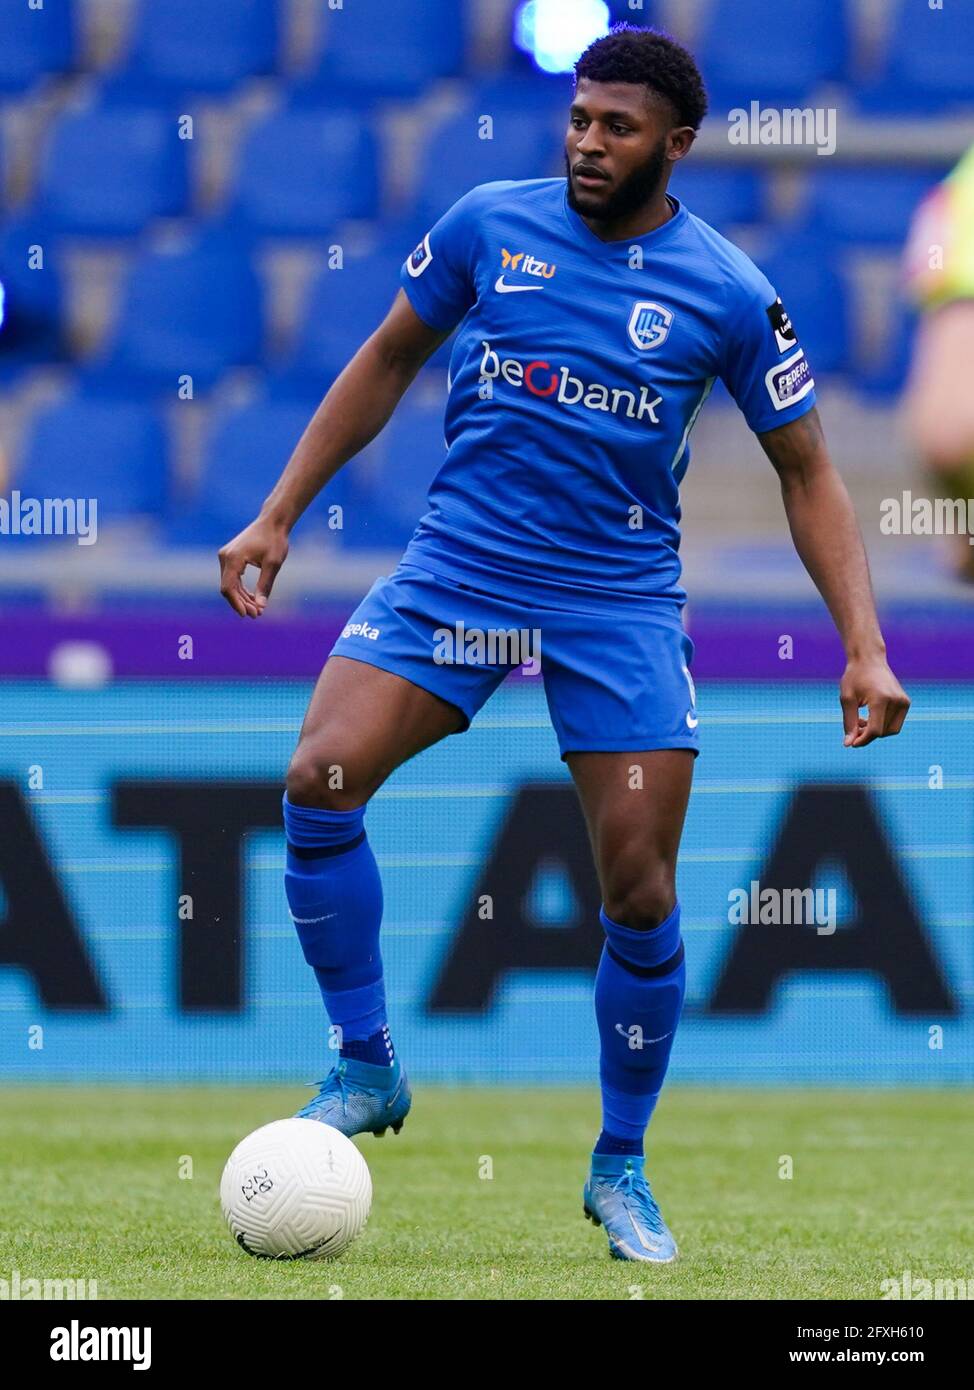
{"x": 741, "y": 278}
{"x": 506, "y": 194}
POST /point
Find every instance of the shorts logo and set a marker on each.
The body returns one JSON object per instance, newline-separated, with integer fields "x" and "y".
{"x": 692, "y": 720}
{"x": 790, "y": 381}
{"x": 361, "y": 630}
{"x": 420, "y": 258}
{"x": 784, "y": 331}
{"x": 649, "y": 325}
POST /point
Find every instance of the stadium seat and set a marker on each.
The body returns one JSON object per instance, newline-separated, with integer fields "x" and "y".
{"x": 107, "y": 171}
{"x": 113, "y": 450}
{"x": 927, "y": 60}
{"x": 723, "y": 197}
{"x": 455, "y": 158}
{"x": 341, "y": 308}
{"x": 392, "y": 479}
{"x": 35, "y": 43}
{"x": 245, "y": 449}
{"x": 200, "y": 45}
{"x": 868, "y": 205}
{"x": 419, "y": 44}
{"x": 34, "y": 301}
{"x": 814, "y": 295}
{"x": 791, "y": 47}
{"x": 190, "y": 309}
{"x": 300, "y": 171}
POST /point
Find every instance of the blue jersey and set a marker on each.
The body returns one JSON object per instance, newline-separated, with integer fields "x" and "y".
{"x": 576, "y": 376}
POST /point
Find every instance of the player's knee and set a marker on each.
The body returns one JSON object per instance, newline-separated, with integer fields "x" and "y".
{"x": 326, "y": 776}
{"x": 643, "y": 902}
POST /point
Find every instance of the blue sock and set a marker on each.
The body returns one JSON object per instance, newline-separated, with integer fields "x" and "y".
{"x": 335, "y": 896}
{"x": 639, "y": 991}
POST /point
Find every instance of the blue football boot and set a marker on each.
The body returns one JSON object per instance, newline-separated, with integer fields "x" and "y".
{"x": 618, "y": 1197}
{"x": 359, "y": 1098}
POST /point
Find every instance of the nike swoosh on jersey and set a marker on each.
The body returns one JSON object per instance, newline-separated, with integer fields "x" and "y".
{"x": 502, "y": 287}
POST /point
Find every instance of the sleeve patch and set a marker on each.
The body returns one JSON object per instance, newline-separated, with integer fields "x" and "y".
{"x": 789, "y": 381}
{"x": 784, "y": 331}
{"x": 420, "y": 258}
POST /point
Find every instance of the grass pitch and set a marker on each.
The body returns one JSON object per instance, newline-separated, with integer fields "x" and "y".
{"x": 881, "y": 1183}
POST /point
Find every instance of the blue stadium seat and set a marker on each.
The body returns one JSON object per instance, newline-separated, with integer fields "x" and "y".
{"x": 776, "y": 53}
{"x": 455, "y": 158}
{"x": 392, "y": 479}
{"x": 814, "y": 294}
{"x": 34, "y": 43}
{"x": 201, "y": 45}
{"x": 868, "y": 205}
{"x": 113, "y": 450}
{"x": 723, "y": 197}
{"x": 300, "y": 171}
{"x": 341, "y": 309}
{"x": 191, "y": 309}
{"x": 34, "y": 305}
{"x": 419, "y": 43}
{"x": 927, "y": 62}
{"x": 245, "y": 449}
{"x": 107, "y": 171}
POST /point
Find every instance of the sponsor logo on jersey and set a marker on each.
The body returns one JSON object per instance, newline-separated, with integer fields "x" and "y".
{"x": 420, "y": 258}
{"x": 790, "y": 381}
{"x": 361, "y": 630}
{"x": 784, "y": 331}
{"x": 558, "y": 384}
{"x": 649, "y": 325}
{"x": 526, "y": 264}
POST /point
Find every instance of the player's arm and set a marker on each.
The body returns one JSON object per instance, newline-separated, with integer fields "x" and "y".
{"x": 827, "y": 537}
{"x": 353, "y": 412}
{"x": 940, "y": 403}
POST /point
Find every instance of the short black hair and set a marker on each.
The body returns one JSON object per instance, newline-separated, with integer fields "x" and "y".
{"x": 653, "y": 60}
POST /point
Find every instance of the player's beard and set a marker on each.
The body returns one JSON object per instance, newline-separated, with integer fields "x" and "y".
{"x": 632, "y": 194}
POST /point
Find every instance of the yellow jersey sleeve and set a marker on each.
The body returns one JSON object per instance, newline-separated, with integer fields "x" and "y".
{"x": 939, "y": 263}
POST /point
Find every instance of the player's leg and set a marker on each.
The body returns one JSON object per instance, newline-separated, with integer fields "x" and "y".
{"x": 635, "y": 804}
{"x": 362, "y": 723}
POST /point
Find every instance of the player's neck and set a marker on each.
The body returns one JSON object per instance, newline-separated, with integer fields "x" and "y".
{"x": 636, "y": 224}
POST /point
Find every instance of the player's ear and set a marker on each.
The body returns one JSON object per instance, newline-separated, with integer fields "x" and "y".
{"x": 679, "y": 142}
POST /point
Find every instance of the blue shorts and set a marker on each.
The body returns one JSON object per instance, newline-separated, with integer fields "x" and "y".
{"x": 613, "y": 684}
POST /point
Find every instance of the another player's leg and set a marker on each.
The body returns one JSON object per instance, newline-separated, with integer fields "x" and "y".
{"x": 362, "y": 723}
{"x": 635, "y": 821}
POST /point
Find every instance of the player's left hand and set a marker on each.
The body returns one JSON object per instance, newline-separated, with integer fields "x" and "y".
{"x": 871, "y": 684}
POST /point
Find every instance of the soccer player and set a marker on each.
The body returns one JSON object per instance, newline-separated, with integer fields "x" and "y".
{"x": 595, "y": 313}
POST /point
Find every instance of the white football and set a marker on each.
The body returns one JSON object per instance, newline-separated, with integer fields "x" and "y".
{"x": 296, "y": 1189}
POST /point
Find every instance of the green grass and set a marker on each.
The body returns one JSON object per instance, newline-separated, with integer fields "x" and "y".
{"x": 91, "y": 1189}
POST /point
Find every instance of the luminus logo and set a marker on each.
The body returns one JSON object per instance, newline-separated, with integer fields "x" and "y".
{"x": 527, "y": 265}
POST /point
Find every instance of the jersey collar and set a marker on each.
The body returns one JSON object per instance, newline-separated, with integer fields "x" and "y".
{"x": 652, "y": 239}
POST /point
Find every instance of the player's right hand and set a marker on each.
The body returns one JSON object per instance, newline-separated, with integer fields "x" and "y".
{"x": 263, "y": 543}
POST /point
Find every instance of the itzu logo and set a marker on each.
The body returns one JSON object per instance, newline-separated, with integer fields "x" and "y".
{"x": 649, "y": 325}
{"x": 361, "y": 630}
{"x": 541, "y": 379}
{"x": 790, "y": 381}
{"x": 526, "y": 264}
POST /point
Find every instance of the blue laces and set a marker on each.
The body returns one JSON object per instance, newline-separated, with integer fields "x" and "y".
{"x": 332, "y": 1083}
{"x": 639, "y": 1190}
